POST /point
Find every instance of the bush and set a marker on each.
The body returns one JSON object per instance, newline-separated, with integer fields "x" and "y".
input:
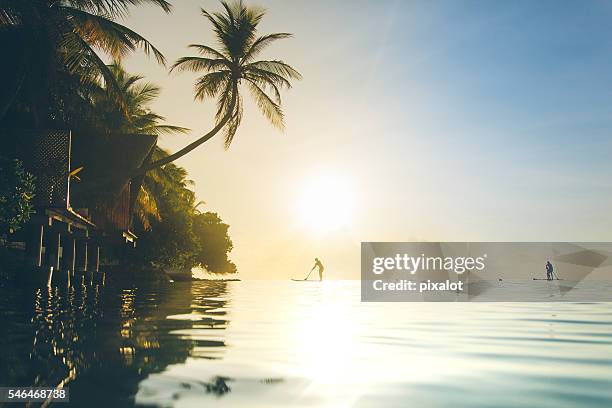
{"x": 214, "y": 243}
{"x": 16, "y": 194}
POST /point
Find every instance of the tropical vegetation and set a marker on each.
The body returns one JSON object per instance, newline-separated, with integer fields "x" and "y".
{"x": 181, "y": 237}
{"x": 135, "y": 116}
{"x": 57, "y": 50}
{"x": 16, "y": 193}
{"x": 56, "y": 76}
{"x": 171, "y": 230}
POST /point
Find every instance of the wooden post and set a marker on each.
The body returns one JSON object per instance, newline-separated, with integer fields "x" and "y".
{"x": 94, "y": 258}
{"x": 97, "y": 258}
{"x": 81, "y": 255}
{"x": 68, "y": 257}
{"x": 52, "y": 249}
{"x": 34, "y": 244}
{"x": 68, "y": 254}
{"x": 52, "y": 252}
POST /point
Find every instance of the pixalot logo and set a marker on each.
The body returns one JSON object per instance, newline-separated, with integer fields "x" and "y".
{"x": 413, "y": 264}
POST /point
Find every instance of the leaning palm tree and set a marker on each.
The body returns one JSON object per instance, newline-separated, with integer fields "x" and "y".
{"x": 229, "y": 67}
{"x": 45, "y": 40}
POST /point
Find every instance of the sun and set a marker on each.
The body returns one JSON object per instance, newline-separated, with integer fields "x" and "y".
{"x": 325, "y": 203}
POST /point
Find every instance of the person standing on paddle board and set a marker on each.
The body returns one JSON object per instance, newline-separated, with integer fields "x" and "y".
{"x": 319, "y": 265}
{"x": 549, "y": 271}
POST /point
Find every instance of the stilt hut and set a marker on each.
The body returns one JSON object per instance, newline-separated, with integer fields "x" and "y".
{"x": 85, "y": 196}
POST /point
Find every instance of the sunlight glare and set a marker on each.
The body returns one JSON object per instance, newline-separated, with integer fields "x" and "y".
{"x": 325, "y": 203}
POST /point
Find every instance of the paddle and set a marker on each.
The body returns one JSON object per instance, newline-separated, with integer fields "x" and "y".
{"x": 307, "y": 276}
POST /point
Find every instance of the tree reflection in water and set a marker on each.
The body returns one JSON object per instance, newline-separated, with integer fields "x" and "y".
{"x": 101, "y": 342}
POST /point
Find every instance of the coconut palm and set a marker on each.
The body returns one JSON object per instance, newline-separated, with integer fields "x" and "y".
{"x": 135, "y": 116}
{"x": 47, "y": 39}
{"x": 232, "y": 65}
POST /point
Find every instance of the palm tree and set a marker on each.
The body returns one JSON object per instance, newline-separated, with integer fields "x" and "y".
{"x": 44, "y": 40}
{"x": 135, "y": 116}
{"x": 231, "y": 66}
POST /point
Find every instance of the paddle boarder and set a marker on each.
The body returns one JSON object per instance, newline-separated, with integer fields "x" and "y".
{"x": 319, "y": 265}
{"x": 549, "y": 271}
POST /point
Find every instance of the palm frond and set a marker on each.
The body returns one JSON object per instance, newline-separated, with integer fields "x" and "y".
{"x": 220, "y": 28}
{"x": 143, "y": 94}
{"x": 277, "y": 67}
{"x": 224, "y": 101}
{"x": 205, "y": 50}
{"x": 108, "y": 35}
{"x": 196, "y": 206}
{"x": 161, "y": 130}
{"x": 146, "y": 208}
{"x": 262, "y": 42}
{"x": 235, "y": 29}
{"x": 266, "y": 84}
{"x": 268, "y": 107}
{"x": 137, "y": 117}
{"x": 210, "y": 85}
{"x": 196, "y": 64}
{"x": 128, "y": 82}
{"x": 269, "y": 76}
{"x": 115, "y": 8}
{"x": 80, "y": 56}
{"x": 233, "y": 124}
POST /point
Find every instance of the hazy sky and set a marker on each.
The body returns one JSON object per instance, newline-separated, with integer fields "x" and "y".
{"x": 445, "y": 120}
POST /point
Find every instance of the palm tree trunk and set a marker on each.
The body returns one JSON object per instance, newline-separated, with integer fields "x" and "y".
{"x": 169, "y": 159}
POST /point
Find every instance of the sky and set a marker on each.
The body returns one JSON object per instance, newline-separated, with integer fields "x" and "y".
{"x": 415, "y": 120}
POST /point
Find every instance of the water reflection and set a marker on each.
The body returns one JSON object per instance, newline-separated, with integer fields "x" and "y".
{"x": 291, "y": 344}
{"x": 102, "y": 342}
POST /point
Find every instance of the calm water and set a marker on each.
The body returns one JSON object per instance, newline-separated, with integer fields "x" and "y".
{"x": 293, "y": 344}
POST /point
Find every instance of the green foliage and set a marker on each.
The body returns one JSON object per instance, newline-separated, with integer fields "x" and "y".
{"x": 214, "y": 243}
{"x": 169, "y": 242}
{"x": 54, "y": 76}
{"x": 16, "y": 193}
{"x": 182, "y": 237}
{"x": 135, "y": 115}
{"x": 52, "y": 52}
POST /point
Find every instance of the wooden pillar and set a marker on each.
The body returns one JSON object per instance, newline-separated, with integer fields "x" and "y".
{"x": 94, "y": 258}
{"x": 52, "y": 252}
{"x": 81, "y": 255}
{"x": 52, "y": 249}
{"x": 34, "y": 244}
{"x": 68, "y": 257}
{"x": 97, "y": 258}
{"x": 68, "y": 254}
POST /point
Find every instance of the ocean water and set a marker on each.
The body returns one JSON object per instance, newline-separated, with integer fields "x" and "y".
{"x": 296, "y": 344}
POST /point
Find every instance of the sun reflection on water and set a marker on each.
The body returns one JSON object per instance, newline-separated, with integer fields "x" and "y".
{"x": 278, "y": 344}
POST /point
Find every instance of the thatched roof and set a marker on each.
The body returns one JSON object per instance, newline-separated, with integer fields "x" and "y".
{"x": 108, "y": 162}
